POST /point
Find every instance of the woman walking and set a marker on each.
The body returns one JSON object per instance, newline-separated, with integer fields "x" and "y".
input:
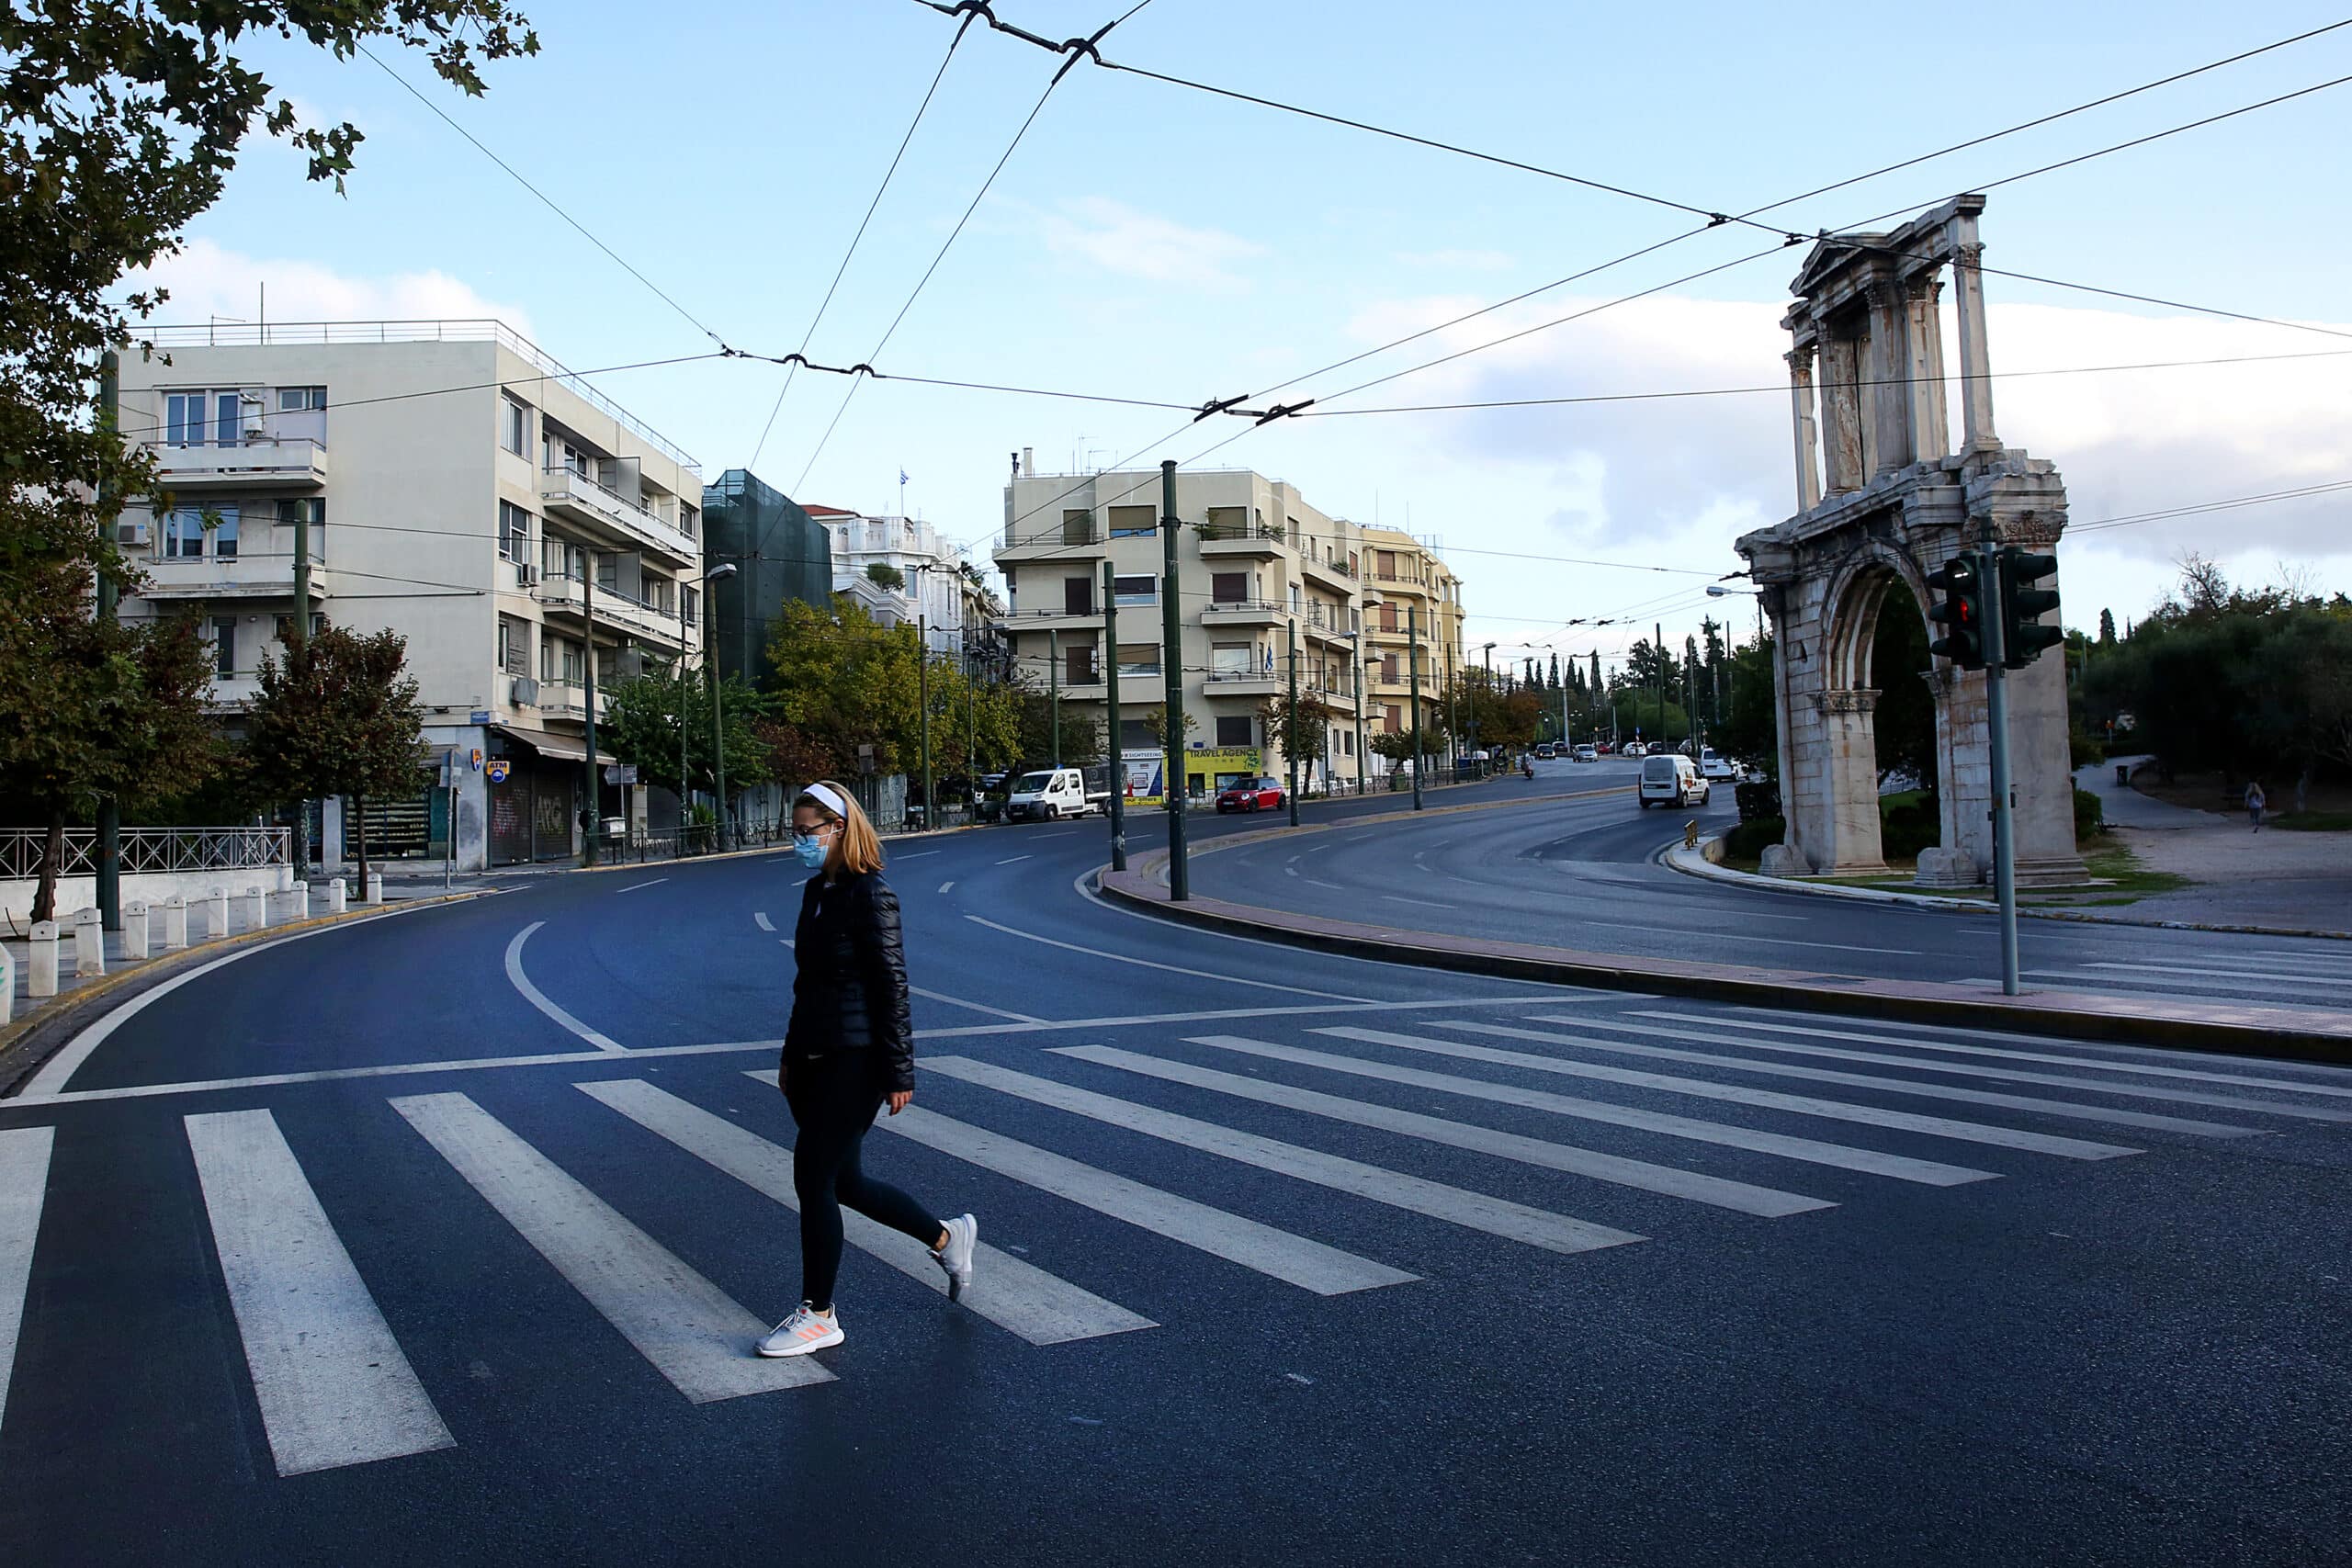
{"x": 848, "y": 1048}
{"x": 2255, "y": 801}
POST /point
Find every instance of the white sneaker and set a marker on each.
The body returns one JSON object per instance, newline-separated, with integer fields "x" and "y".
{"x": 963, "y": 1237}
{"x": 804, "y": 1331}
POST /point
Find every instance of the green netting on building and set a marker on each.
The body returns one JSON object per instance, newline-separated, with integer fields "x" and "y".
{"x": 779, "y": 553}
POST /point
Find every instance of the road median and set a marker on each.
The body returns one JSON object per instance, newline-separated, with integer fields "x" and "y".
{"x": 2296, "y": 1034}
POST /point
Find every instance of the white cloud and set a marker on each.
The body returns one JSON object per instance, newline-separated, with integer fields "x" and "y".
{"x": 1120, "y": 239}
{"x": 206, "y": 280}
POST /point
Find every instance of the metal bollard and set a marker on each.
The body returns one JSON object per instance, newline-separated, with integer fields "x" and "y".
{"x": 40, "y": 975}
{"x": 135, "y": 930}
{"x": 216, "y": 913}
{"x": 174, "y": 924}
{"x": 89, "y": 944}
{"x": 257, "y": 909}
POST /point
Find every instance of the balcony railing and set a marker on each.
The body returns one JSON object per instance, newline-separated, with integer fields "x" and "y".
{"x": 148, "y": 849}
{"x": 1222, "y": 532}
{"x": 1052, "y": 536}
{"x": 586, "y": 499}
{"x": 568, "y": 699}
{"x": 1336, "y": 567}
{"x": 262, "y": 461}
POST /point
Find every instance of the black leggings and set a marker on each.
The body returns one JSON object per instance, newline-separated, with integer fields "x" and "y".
{"x": 833, "y": 1101}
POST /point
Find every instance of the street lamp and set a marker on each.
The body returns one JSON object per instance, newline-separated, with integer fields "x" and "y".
{"x": 1490, "y": 651}
{"x": 709, "y": 658}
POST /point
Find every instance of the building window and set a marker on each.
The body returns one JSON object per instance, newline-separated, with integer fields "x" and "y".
{"x": 294, "y": 400}
{"x": 1388, "y": 617}
{"x": 1295, "y": 601}
{"x": 690, "y": 606}
{"x": 689, "y": 521}
{"x": 1228, "y": 586}
{"x": 1388, "y": 668}
{"x": 224, "y": 531}
{"x": 312, "y": 510}
{"x": 514, "y": 644}
{"x": 1137, "y": 589}
{"x": 1137, "y": 734}
{"x": 1391, "y": 718}
{"x": 1077, "y": 527}
{"x": 224, "y": 647}
{"x": 286, "y": 625}
{"x": 1233, "y": 729}
{"x": 513, "y": 532}
{"x": 1138, "y": 659}
{"x": 515, "y": 427}
{"x": 1347, "y": 743}
{"x": 202, "y": 419}
{"x": 1133, "y": 521}
{"x": 183, "y": 534}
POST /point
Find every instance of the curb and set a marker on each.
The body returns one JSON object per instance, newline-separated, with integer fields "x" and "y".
{"x": 1239, "y": 840}
{"x": 64, "y": 1018}
{"x": 1692, "y": 863}
{"x": 2132, "y": 1021}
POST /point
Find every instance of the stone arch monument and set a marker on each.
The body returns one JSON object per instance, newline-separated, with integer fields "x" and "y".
{"x": 1883, "y": 495}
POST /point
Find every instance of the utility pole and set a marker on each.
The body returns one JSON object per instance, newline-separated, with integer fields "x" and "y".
{"x": 717, "y": 749}
{"x": 1413, "y": 659}
{"x": 109, "y": 869}
{"x": 1054, "y": 687}
{"x": 1290, "y": 737}
{"x": 1658, "y": 644}
{"x": 1355, "y": 682}
{"x": 588, "y": 613}
{"x": 1452, "y": 731}
{"x": 1171, "y": 633}
{"x": 683, "y": 711}
{"x": 1997, "y": 724}
{"x": 971, "y": 731}
{"x": 923, "y": 702}
{"x": 1111, "y": 692}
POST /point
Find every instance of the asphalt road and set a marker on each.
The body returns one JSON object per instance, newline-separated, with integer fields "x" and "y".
{"x": 1581, "y": 871}
{"x": 442, "y": 1239}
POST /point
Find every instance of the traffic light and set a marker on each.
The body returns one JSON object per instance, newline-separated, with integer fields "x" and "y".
{"x": 2023, "y": 636}
{"x": 1961, "y": 611}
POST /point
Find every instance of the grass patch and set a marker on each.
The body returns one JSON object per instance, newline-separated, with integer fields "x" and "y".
{"x": 2311, "y": 822}
{"x": 2116, "y": 864}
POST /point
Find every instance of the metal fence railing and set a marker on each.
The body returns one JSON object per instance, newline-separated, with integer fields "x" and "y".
{"x": 148, "y": 850}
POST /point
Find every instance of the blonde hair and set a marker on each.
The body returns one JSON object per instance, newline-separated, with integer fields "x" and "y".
{"x": 859, "y": 848}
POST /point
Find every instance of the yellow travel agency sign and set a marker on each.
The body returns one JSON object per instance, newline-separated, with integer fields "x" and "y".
{"x": 1207, "y": 770}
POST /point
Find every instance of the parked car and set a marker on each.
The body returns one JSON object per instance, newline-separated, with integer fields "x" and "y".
{"x": 1585, "y": 754}
{"x": 1670, "y": 779}
{"x": 1252, "y": 794}
{"x": 1052, "y": 793}
{"x": 1633, "y": 749}
{"x": 1713, "y": 765}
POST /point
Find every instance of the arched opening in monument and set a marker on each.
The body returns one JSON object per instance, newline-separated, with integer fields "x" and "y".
{"x": 1885, "y": 713}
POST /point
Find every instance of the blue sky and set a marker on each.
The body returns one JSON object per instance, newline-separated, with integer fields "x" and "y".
{"x": 1153, "y": 243}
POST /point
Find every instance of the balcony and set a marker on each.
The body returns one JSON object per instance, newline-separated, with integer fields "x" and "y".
{"x": 567, "y": 598}
{"x": 567, "y": 700}
{"x": 291, "y": 464}
{"x": 1036, "y": 542}
{"x": 1241, "y": 541}
{"x": 1058, "y": 620}
{"x": 1240, "y": 613}
{"x": 1244, "y": 683}
{"x": 262, "y": 578}
{"x": 1326, "y": 625}
{"x": 1334, "y": 573}
{"x": 573, "y": 496}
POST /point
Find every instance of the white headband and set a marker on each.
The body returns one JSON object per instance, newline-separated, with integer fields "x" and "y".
{"x": 823, "y": 795}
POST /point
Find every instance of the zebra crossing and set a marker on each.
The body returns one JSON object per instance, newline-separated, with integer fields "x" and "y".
{"x": 2273, "y": 977}
{"x": 335, "y": 1385}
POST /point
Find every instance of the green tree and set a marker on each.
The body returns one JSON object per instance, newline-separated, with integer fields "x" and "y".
{"x": 841, "y": 680}
{"x": 1750, "y": 726}
{"x": 885, "y": 576}
{"x": 639, "y": 725}
{"x": 1313, "y": 718}
{"x": 91, "y": 708}
{"x": 1905, "y": 722}
{"x": 339, "y": 716}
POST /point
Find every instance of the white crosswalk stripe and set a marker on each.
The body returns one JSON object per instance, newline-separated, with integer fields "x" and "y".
{"x": 1310, "y": 1265}
{"x": 1027, "y": 1300}
{"x": 1741, "y": 1094}
{"x": 2248, "y": 991}
{"x": 1723, "y": 1034}
{"x": 690, "y": 1330}
{"x": 24, "y": 1186}
{"x": 334, "y": 1386}
{"x": 1472, "y": 1210}
{"x": 1931, "y": 1173}
{"x": 2279, "y": 975}
{"x": 1959, "y": 1048}
{"x": 2059, "y": 1108}
{"x": 1690, "y": 1186}
{"x": 2172, "y": 976}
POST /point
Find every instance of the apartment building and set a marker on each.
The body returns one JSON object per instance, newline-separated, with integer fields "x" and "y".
{"x": 459, "y": 486}
{"x": 1256, "y": 565}
{"x": 1420, "y": 602}
{"x": 929, "y": 565}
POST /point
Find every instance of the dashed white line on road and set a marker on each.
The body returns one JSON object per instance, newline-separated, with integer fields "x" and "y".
{"x": 1424, "y": 903}
{"x": 1154, "y": 964}
{"x": 537, "y": 998}
{"x": 1014, "y": 859}
{"x": 635, "y": 885}
{"x": 946, "y": 886}
{"x": 1319, "y": 882}
{"x": 918, "y": 854}
{"x": 760, "y": 919}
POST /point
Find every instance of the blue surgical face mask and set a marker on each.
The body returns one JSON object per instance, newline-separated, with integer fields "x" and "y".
{"x": 811, "y": 850}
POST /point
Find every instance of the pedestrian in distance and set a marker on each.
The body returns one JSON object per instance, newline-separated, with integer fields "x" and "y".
{"x": 2255, "y": 801}
{"x": 850, "y": 1047}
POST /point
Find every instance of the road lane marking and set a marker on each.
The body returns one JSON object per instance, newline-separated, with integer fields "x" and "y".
{"x": 1472, "y": 1210}
{"x": 1920, "y": 1043}
{"x": 24, "y": 1183}
{"x": 976, "y": 1007}
{"x": 724, "y": 1047}
{"x": 334, "y": 1386}
{"x": 2235, "y": 976}
{"x": 1012, "y": 1295}
{"x": 59, "y": 1069}
{"x": 1928, "y": 1172}
{"x": 2070, "y": 1110}
{"x": 946, "y": 886}
{"x": 760, "y": 919}
{"x": 1714, "y": 934}
{"x": 916, "y": 854}
{"x": 1310, "y": 1265}
{"x": 1640, "y": 1175}
{"x": 692, "y": 1332}
{"x": 1318, "y": 881}
{"x": 1739, "y": 1094}
{"x": 1012, "y": 860}
{"x": 635, "y": 885}
{"x": 537, "y": 998}
{"x": 1155, "y": 963}
{"x": 1970, "y": 1070}
{"x": 1420, "y": 903}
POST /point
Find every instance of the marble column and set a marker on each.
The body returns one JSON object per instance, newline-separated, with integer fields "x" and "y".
{"x": 1930, "y": 430}
{"x": 1975, "y": 352}
{"x": 1841, "y": 442}
{"x": 1850, "y": 785}
{"x": 1889, "y": 371}
{"x": 1809, "y": 433}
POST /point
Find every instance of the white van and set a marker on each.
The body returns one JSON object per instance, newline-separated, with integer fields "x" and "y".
{"x": 1669, "y": 778}
{"x": 1050, "y": 792}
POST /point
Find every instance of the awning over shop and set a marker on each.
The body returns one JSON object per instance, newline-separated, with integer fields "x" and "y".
{"x": 553, "y": 746}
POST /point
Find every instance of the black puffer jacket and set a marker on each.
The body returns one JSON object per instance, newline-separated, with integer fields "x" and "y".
{"x": 850, "y": 991}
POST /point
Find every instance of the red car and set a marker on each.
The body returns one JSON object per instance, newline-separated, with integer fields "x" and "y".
{"x": 1252, "y": 794}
